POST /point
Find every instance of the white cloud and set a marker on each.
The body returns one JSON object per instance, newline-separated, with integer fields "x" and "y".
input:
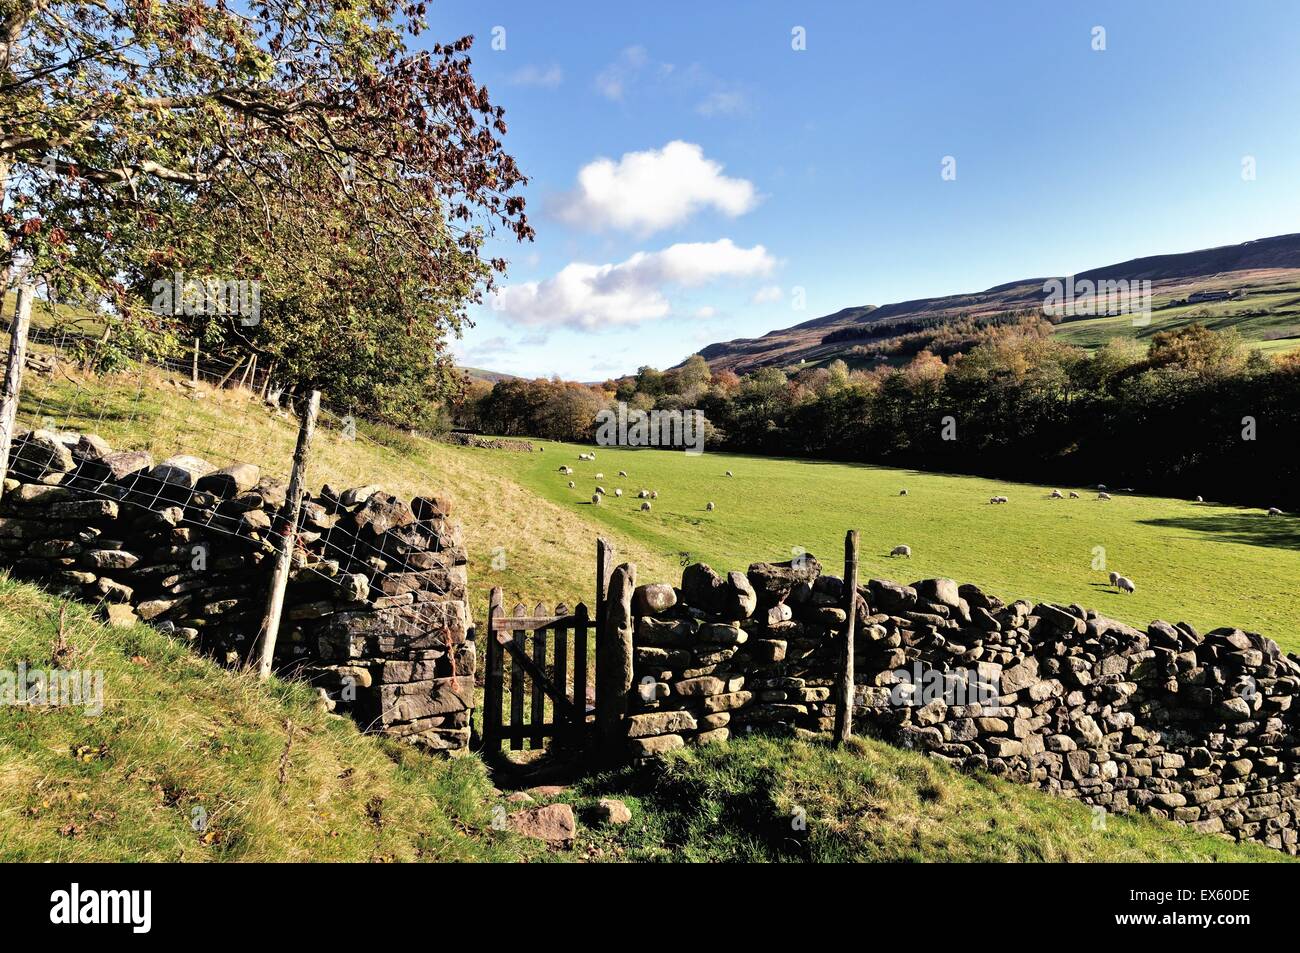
{"x": 591, "y": 296}
{"x": 548, "y": 77}
{"x": 721, "y": 102}
{"x": 652, "y": 190}
{"x": 612, "y": 82}
{"x": 767, "y": 294}
{"x": 706, "y": 312}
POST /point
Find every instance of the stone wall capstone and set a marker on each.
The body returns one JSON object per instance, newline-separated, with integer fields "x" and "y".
{"x": 1190, "y": 727}
{"x": 376, "y": 612}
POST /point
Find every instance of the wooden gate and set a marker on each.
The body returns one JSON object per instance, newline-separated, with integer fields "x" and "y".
{"x": 545, "y": 655}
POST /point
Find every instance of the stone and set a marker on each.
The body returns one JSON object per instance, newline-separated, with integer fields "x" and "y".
{"x": 738, "y": 599}
{"x": 889, "y": 596}
{"x": 553, "y": 823}
{"x": 231, "y": 481}
{"x": 38, "y": 453}
{"x": 612, "y": 811}
{"x": 125, "y": 466}
{"x": 120, "y": 615}
{"x": 659, "y": 723}
{"x": 650, "y": 747}
{"x": 653, "y": 598}
{"x": 774, "y": 582}
{"x": 182, "y": 471}
{"x": 702, "y": 587}
{"x": 942, "y": 591}
{"x": 382, "y": 512}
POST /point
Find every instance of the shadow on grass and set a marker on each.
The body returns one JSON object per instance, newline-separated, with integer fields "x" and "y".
{"x": 1251, "y": 529}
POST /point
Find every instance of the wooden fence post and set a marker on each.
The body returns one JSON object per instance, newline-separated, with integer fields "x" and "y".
{"x": 195, "y": 376}
{"x": 287, "y": 528}
{"x": 495, "y": 672}
{"x": 14, "y": 376}
{"x": 845, "y": 689}
{"x": 614, "y": 659}
{"x": 604, "y": 569}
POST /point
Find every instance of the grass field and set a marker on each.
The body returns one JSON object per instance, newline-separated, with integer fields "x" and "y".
{"x": 179, "y": 732}
{"x": 1208, "y": 564}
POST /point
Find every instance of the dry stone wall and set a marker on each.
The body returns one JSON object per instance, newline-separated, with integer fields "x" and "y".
{"x": 376, "y": 611}
{"x": 1191, "y": 727}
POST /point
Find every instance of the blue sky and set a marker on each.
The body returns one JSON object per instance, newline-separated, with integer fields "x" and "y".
{"x": 691, "y": 171}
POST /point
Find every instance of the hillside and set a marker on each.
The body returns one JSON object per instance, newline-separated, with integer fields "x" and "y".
{"x": 1263, "y": 276}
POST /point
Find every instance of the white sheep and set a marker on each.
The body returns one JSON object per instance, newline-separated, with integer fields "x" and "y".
{"x": 1073, "y": 495}
{"x": 709, "y": 506}
{"x": 644, "y": 494}
{"x": 571, "y": 484}
{"x": 901, "y": 551}
{"x": 565, "y": 470}
{"x": 729, "y": 473}
{"x": 1200, "y": 499}
{"x": 595, "y": 498}
{"x": 600, "y": 490}
{"x": 1057, "y": 495}
{"x": 1274, "y": 511}
{"x": 600, "y": 476}
{"x": 654, "y": 494}
{"x": 1101, "y": 486}
{"x": 1124, "y": 584}
{"x": 902, "y": 493}
{"x": 622, "y": 473}
{"x": 1114, "y": 577}
{"x": 1103, "y": 495}
{"x": 618, "y": 491}
{"x": 645, "y": 506}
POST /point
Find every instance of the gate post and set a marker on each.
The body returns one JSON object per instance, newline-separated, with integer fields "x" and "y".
{"x": 614, "y": 652}
{"x": 844, "y": 689}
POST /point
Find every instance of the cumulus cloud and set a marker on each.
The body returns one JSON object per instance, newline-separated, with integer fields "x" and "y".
{"x": 652, "y": 190}
{"x": 629, "y": 292}
{"x": 548, "y": 77}
{"x": 767, "y": 294}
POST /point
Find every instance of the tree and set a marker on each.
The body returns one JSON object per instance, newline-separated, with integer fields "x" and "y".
{"x": 141, "y": 138}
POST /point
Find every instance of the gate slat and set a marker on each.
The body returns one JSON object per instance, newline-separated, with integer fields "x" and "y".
{"x": 561, "y": 670}
{"x": 580, "y": 671}
{"x": 492, "y": 686}
{"x": 537, "y": 715}
{"x": 517, "y": 686}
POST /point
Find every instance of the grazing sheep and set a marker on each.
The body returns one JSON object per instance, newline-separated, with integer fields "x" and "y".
{"x": 600, "y": 476}
{"x": 1103, "y": 495}
{"x": 1200, "y": 499}
{"x": 1073, "y": 495}
{"x": 729, "y": 473}
{"x": 901, "y": 551}
{"x": 618, "y": 491}
{"x": 1274, "y": 511}
{"x": 645, "y": 506}
{"x": 997, "y": 499}
{"x": 709, "y": 506}
{"x": 644, "y": 494}
{"x": 622, "y": 473}
{"x": 571, "y": 484}
{"x": 565, "y": 470}
{"x": 600, "y": 490}
{"x": 1114, "y": 577}
{"x": 1124, "y": 584}
{"x": 902, "y": 493}
{"x": 654, "y": 494}
{"x": 1057, "y": 495}
{"x": 595, "y": 498}
{"x": 1100, "y": 487}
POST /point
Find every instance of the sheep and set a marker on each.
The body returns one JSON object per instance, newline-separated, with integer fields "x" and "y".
{"x": 1057, "y": 495}
{"x": 1200, "y": 499}
{"x": 729, "y": 473}
{"x": 571, "y": 484}
{"x": 644, "y": 494}
{"x": 1100, "y": 487}
{"x": 902, "y": 493}
{"x": 901, "y": 551}
{"x": 1124, "y": 584}
{"x": 1103, "y": 495}
{"x": 622, "y": 473}
{"x": 645, "y": 507}
{"x": 600, "y": 490}
{"x": 997, "y": 499}
{"x": 1114, "y": 577}
{"x": 1274, "y": 511}
{"x": 595, "y": 498}
{"x": 600, "y": 476}
{"x": 565, "y": 470}
{"x": 1073, "y": 495}
{"x": 709, "y": 506}
{"x": 654, "y": 494}
{"x": 618, "y": 491}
